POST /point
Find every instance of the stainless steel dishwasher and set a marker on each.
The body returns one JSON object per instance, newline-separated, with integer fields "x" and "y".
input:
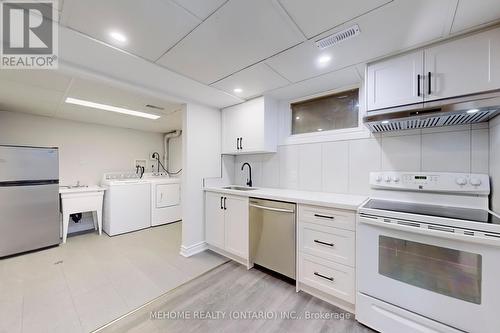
{"x": 272, "y": 235}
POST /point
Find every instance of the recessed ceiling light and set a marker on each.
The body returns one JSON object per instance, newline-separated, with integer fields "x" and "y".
{"x": 324, "y": 59}
{"x": 320, "y": 129}
{"x": 472, "y": 111}
{"x": 111, "y": 108}
{"x": 297, "y": 118}
{"x": 118, "y": 36}
{"x": 385, "y": 122}
{"x": 238, "y": 90}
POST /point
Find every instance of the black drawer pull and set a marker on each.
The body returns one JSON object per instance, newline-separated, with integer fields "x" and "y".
{"x": 323, "y": 276}
{"x": 324, "y": 216}
{"x": 323, "y": 243}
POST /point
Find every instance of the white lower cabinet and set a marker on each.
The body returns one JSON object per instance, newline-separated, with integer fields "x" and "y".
{"x": 326, "y": 258}
{"x": 226, "y": 224}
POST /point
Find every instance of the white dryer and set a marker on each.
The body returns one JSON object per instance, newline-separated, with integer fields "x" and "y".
{"x": 127, "y": 203}
{"x": 165, "y": 198}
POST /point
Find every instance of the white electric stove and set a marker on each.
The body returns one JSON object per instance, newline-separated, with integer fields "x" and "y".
{"x": 428, "y": 254}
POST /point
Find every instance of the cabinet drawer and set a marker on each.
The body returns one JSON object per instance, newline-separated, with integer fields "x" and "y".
{"x": 334, "y": 279}
{"x": 328, "y": 243}
{"x": 329, "y": 217}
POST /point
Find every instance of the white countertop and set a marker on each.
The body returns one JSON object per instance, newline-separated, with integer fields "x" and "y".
{"x": 333, "y": 200}
{"x": 91, "y": 188}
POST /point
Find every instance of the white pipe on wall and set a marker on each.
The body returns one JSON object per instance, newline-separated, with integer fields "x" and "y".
{"x": 166, "y": 139}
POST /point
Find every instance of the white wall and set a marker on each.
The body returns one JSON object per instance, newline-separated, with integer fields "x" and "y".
{"x": 495, "y": 163}
{"x": 86, "y": 150}
{"x": 201, "y": 159}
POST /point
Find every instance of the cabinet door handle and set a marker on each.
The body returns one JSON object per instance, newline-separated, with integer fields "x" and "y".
{"x": 329, "y": 278}
{"x": 418, "y": 85}
{"x": 241, "y": 143}
{"x": 225, "y": 203}
{"x": 324, "y": 216}
{"x": 324, "y": 243}
{"x": 430, "y": 90}
{"x": 237, "y": 143}
{"x": 221, "y": 207}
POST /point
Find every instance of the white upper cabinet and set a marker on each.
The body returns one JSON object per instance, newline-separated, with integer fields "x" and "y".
{"x": 395, "y": 81}
{"x": 250, "y": 127}
{"x": 464, "y": 66}
{"x": 459, "y": 67}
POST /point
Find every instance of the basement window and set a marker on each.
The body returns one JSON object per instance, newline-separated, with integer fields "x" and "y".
{"x": 326, "y": 113}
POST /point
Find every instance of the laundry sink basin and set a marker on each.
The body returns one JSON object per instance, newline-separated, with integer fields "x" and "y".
{"x": 239, "y": 188}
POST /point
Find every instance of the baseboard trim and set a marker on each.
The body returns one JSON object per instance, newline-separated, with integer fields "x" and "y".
{"x": 188, "y": 251}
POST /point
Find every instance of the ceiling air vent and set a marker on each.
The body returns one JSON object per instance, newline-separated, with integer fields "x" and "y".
{"x": 151, "y": 106}
{"x": 338, "y": 37}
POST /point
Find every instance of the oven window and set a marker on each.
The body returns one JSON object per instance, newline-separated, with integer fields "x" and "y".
{"x": 446, "y": 271}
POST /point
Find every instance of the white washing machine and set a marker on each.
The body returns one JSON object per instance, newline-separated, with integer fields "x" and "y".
{"x": 165, "y": 198}
{"x": 127, "y": 203}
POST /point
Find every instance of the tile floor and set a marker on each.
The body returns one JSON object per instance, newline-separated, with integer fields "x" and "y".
{"x": 91, "y": 280}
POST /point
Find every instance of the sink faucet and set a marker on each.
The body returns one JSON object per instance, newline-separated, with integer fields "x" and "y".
{"x": 249, "y": 180}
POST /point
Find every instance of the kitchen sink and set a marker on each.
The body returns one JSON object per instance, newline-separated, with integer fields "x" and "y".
{"x": 239, "y": 188}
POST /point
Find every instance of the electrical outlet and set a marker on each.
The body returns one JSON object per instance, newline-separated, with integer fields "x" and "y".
{"x": 152, "y": 156}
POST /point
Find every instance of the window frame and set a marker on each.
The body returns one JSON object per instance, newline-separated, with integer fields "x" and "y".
{"x": 359, "y": 132}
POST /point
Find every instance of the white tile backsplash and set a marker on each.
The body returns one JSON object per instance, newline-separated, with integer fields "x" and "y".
{"x": 446, "y": 151}
{"x": 310, "y": 164}
{"x": 480, "y": 147}
{"x": 289, "y": 166}
{"x": 364, "y": 157}
{"x": 335, "y": 171}
{"x": 344, "y": 166}
{"x": 401, "y": 153}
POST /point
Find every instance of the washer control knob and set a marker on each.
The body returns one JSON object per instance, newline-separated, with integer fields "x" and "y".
{"x": 475, "y": 181}
{"x": 387, "y": 179}
{"x": 461, "y": 181}
{"x": 396, "y": 179}
{"x": 378, "y": 178}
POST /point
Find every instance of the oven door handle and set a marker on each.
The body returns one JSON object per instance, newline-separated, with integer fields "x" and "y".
{"x": 378, "y": 222}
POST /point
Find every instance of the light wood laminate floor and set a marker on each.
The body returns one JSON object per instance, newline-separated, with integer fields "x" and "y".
{"x": 232, "y": 290}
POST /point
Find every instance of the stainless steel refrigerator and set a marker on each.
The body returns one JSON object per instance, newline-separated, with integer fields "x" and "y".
{"x": 29, "y": 198}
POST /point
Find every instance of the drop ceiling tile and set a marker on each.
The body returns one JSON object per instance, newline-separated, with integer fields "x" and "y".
{"x": 95, "y": 116}
{"x": 392, "y": 28}
{"x": 239, "y": 34}
{"x": 331, "y": 81}
{"x": 53, "y": 79}
{"x": 102, "y": 93}
{"x": 472, "y": 13}
{"x": 315, "y": 17}
{"x": 253, "y": 81}
{"x": 151, "y": 27}
{"x": 201, "y": 8}
{"x": 19, "y": 97}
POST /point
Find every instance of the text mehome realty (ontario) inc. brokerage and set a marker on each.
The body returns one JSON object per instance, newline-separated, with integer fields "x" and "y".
{"x": 247, "y": 315}
{"x": 29, "y": 33}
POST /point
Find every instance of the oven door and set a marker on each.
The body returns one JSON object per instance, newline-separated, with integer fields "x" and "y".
{"x": 449, "y": 278}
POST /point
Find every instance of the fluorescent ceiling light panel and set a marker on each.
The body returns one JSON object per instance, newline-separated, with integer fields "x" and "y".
{"x": 111, "y": 108}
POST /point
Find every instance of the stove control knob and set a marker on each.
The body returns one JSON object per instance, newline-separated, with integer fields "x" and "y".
{"x": 378, "y": 178}
{"x": 475, "y": 181}
{"x": 396, "y": 179}
{"x": 387, "y": 179}
{"x": 461, "y": 181}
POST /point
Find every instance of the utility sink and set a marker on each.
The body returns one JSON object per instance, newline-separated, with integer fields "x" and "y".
{"x": 239, "y": 188}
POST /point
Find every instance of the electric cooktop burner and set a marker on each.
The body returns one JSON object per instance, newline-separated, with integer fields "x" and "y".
{"x": 458, "y": 213}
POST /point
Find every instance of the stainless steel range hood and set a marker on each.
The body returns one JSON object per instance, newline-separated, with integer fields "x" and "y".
{"x": 461, "y": 110}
